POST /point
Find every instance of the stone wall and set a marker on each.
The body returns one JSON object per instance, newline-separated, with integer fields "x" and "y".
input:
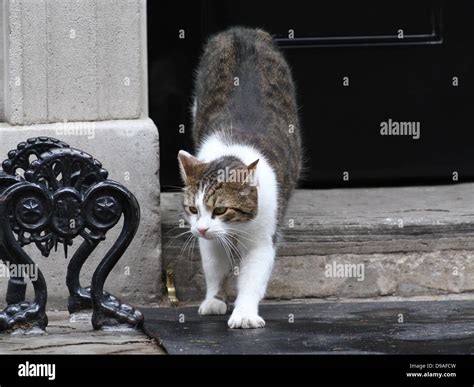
{"x": 77, "y": 70}
{"x": 2, "y": 62}
{"x": 76, "y": 60}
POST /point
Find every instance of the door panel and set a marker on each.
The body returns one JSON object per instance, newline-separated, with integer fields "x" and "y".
{"x": 390, "y": 80}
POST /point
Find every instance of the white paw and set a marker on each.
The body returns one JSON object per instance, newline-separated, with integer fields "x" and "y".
{"x": 212, "y": 307}
{"x": 245, "y": 320}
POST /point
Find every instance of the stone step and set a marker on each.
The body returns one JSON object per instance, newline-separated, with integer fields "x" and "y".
{"x": 407, "y": 241}
{"x": 393, "y": 327}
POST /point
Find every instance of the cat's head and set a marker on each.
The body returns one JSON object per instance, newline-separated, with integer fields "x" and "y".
{"x": 219, "y": 195}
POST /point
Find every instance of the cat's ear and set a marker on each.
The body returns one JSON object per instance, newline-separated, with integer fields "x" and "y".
{"x": 189, "y": 166}
{"x": 250, "y": 174}
{"x": 253, "y": 166}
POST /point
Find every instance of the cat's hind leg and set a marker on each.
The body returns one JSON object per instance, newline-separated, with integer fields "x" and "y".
{"x": 216, "y": 269}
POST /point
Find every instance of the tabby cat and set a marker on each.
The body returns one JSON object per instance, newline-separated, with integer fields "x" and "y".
{"x": 248, "y": 161}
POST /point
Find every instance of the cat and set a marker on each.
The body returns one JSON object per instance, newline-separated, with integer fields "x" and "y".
{"x": 249, "y": 157}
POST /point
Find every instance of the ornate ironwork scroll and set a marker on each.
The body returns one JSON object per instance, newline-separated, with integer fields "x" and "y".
{"x": 51, "y": 194}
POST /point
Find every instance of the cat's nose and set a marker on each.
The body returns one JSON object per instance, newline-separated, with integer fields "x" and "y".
{"x": 203, "y": 230}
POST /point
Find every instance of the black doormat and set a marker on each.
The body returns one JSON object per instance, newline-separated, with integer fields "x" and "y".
{"x": 425, "y": 327}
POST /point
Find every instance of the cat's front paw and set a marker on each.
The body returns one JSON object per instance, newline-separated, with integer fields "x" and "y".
{"x": 212, "y": 307}
{"x": 242, "y": 320}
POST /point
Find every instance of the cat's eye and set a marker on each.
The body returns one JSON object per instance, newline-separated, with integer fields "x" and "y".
{"x": 193, "y": 210}
{"x": 220, "y": 211}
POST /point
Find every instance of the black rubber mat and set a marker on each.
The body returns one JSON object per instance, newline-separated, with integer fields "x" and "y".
{"x": 426, "y": 327}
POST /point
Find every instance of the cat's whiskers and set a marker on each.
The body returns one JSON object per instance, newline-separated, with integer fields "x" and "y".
{"x": 235, "y": 236}
{"x": 174, "y": 188}
{"x": 231, "y": 249}
{"x": 175, "y": 238}
{"x": 238, "y": 230}
{"x": 236, "y": 250}
{"x": 222, "y": 243}
{"x": 191, "y": 250}
{"x": 238, "y": 233}
{"x": 237, "y": 239}
{"x": 183, "y": 247}
{"x": 174, "y": 228}
{"x": 231, "y": 245}
{"x": 181, "y": 234}
{"x": 241, "y": 234}
{"x": 186, "y": 243}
